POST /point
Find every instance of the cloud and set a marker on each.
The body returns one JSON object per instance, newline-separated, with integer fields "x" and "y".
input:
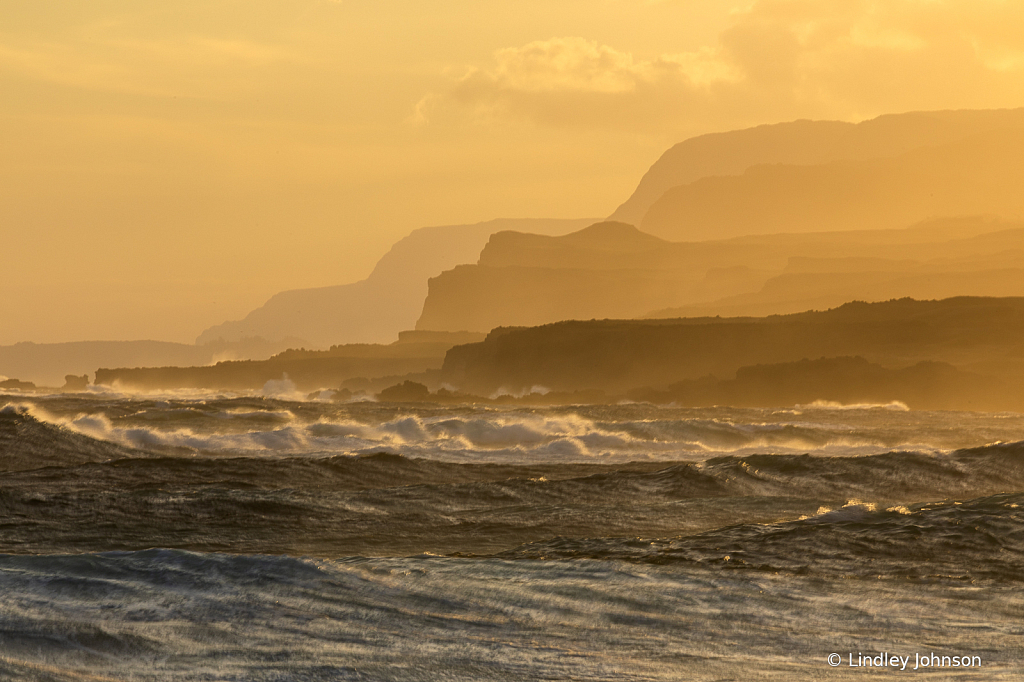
{"x": 576, "y": 64}
{"x": 563, "y": 80}
{"x": 778, "y": 59}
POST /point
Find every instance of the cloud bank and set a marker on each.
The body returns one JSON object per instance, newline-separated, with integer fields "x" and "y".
{"x": 779, "y": 59}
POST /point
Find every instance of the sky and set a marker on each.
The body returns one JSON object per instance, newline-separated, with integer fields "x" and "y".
{"x": 168, "y": 166}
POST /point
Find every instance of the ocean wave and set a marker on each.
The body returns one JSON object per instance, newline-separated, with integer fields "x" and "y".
{"x": 981, "y": 539}
{"x": 30, "y": 435}
{"x": 333, "y": 505}
{"x": 495, "y": 542}
{"x": 159, "y": 615}
{"x": 31, "y": 439}
{"x": 272, "y": 427}
{"x": 894, "y": 406}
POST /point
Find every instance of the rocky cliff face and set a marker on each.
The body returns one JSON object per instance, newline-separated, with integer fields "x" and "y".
{"x": 612, "y": 270}
{"x": 606, "y": 270}
{"x": 971, "y": 334}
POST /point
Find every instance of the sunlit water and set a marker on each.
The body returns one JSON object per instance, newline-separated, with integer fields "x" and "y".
{"x": 204, "y": 537}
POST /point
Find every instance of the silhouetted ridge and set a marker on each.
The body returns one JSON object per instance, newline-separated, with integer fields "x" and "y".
{"x": 374, "y": 310}
{"x": 49, "y": 364}
{"x": 612, "y": 270}
{"x": 805, "y": 143}
{"x": 599, "y": 246}
{"x": 612, "y": 235}
{"x": 933, "y": 351}
{"x": 976, "y": 174}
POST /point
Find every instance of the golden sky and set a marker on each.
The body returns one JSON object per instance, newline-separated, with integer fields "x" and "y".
{"x": 165, "y": 166}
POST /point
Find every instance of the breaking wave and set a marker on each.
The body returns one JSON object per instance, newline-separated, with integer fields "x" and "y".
{"x": 272, "y": 427}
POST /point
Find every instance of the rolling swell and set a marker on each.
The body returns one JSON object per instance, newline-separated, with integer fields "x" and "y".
{"x": 981, "y": 539}
{"x": 889, "y": 476}
{"x": 89, "y": 495}
{"x": 36, "y": 453}
{"x": 159, "y": 615}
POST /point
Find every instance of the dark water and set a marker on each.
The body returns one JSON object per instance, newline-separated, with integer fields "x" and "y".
{"x": 253, "y": 538}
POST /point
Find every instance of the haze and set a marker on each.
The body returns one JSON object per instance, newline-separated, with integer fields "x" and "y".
{"x": 167, "y": 167}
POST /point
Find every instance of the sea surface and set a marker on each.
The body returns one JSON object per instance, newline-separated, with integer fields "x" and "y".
{"x": 189, "y": 536}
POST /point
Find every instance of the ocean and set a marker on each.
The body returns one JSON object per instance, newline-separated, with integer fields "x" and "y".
{"x": 190, "y": 536}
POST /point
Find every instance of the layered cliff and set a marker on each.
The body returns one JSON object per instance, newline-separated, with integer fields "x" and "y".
{"x": 983, "y": 335}
{"x": 374, "y": 310}
{"x": 979, "y": 174}
{"x": 805, "y": 143}
{"x": 612, "y": 270}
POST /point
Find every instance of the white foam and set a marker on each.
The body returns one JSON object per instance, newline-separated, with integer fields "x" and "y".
{"x": 895, "y": 406}
{"x": 854, "y": 510}
{"x": 496, "y": 433}
{"x": 282, "y": 389}
{"x": 505, "y": 392}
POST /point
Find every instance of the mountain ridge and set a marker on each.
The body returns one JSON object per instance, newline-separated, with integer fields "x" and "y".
{"x": 974, "y": 175}
{"x": 804, "y": 142}
{"x": 389, "y": 300}
{"x": 527, "y": 280}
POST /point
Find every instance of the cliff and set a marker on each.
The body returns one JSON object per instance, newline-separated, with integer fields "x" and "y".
{"x": 979, "y": 174}
{"x": 984, "y": 335}
{"x": 414, "y": 352}
{"x": 927, "y": 385}
{"x": 613, "y": 270}
{"x": 805, "y": 143}
{"x": 48, "y": 364}
{"x": 374, "y": 310}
